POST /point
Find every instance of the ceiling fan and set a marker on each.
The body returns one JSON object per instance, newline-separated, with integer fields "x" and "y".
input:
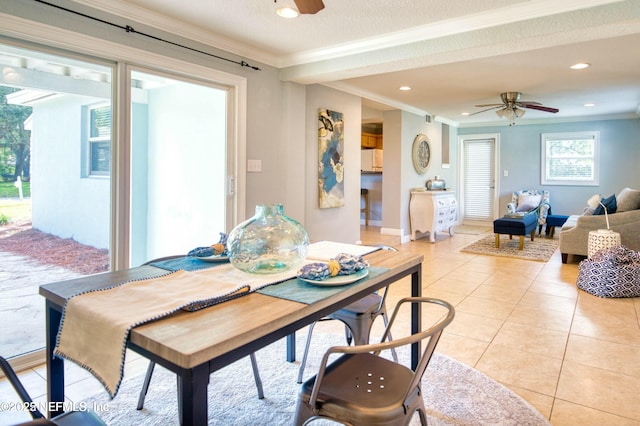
{"x": 512, "y": 106}
{"x": 307, "y": 7}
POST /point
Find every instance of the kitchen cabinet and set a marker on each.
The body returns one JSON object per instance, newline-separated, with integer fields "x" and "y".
{"x": 370, "y": 140}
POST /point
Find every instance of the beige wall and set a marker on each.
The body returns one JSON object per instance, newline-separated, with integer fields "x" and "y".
{"x": 341, "y": 223}
{"x": 399, "y": 130}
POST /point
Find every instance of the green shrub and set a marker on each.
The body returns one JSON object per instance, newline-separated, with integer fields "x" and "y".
{"x": 4, "y": 219}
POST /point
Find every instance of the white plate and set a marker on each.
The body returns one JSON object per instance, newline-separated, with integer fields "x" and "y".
{"x": 214, "y": 258}
{"x": 339, "y": 279}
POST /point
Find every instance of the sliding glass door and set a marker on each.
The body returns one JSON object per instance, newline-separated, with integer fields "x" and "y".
{"x": 179, "y": 169}
{"x": 92, "y": 182}
{"x": 55, "y": 162}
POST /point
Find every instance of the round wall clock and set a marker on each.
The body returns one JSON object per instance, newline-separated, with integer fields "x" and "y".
{"x": 421, "y": 153}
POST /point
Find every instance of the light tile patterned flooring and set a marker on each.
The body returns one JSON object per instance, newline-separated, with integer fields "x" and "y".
{"x": 573, "y": 356}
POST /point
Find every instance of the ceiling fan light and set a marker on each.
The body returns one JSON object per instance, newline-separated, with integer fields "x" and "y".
{"x": 519, "y": 112}
{"x": 287, "y": 12}
{"x": 500, "y": 112}
{"x": 580, "y": 66}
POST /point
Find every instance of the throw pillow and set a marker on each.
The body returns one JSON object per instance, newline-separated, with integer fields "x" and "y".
{"x": 609, "y": 203}
{"x": 628, "y": 199}
{"x": 528, "y": 202}
{"x": 594, "y": 201}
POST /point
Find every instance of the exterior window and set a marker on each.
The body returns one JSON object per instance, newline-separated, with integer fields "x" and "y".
{"x": 570, "y": 158}
{"x": 99, "y": 138}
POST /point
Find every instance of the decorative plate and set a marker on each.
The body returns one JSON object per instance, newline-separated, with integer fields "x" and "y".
{"x": 214, "y": 258}
{"x": 339, "y": 279}
{"x": 421, "y": 153}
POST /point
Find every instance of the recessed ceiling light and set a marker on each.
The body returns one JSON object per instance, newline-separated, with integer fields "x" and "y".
{"x": 404, "y": 88}
{"x": 287, "y": 12}
{"x": 465, "y": 113}
{"x": 589, "y": 105}
{"x": 580, "y": 66}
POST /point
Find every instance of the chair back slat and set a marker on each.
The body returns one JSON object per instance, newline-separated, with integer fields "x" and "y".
{"x": 433, "y": 334}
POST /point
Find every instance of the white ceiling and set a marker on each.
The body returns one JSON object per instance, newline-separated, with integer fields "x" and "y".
{"x": 453, "y": 53}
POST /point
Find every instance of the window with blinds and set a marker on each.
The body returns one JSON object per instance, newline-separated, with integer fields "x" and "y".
{"x": 479, "y": 169}
{"x": 99, "y": 140}
{"x": 570, "y": 158}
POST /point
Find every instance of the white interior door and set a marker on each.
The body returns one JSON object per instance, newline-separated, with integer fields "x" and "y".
{"x": 479, "y": 166}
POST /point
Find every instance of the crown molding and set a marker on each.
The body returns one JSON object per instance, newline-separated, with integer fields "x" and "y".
{"x": 516, "y": 13}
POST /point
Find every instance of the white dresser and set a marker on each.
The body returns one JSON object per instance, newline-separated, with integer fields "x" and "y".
{"x": 432, "y": 211}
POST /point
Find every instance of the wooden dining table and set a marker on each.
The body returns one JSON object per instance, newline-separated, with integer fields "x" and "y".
{"x": 195, "y": 344}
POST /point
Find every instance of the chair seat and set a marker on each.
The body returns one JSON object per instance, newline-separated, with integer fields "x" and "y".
{"x": 359, "y": 385}
{"x": 367, "y": 305}
{"x": 353, "y": 391}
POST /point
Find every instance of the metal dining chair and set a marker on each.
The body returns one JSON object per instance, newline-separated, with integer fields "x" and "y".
{"x": 152, "y": 365}
{"x": 70, "y": 418}
{"x": 358, "y": 319}
{"x": 362, "y": 388}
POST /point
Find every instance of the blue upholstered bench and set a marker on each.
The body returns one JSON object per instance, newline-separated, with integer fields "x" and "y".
{"x": 554, "y": 220}
{"x": 515, "y": 226}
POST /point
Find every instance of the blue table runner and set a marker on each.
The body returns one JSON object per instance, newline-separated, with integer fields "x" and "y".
{"x": 301, "y": 291}
{"x": 186, "y": 263}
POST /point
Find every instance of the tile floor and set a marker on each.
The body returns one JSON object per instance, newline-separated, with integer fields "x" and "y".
{"x": 573, "y": 356}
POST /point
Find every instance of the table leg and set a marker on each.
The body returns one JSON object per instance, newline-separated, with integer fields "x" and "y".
{"x": 55, "y": 366}
{"x": 192, "y": 395}
{"x": 416, "y": 315}
{"x": 291, "y": 347}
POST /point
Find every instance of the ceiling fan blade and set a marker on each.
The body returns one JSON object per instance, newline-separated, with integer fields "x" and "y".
{"x": 309, "y": 6}
{"x": 488, "y": 109}
{"x": 541, "y": 108}
{"x": 486, "y": 105}
{"x": 528, "y": 103}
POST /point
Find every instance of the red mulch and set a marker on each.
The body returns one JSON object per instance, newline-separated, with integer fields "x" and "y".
{"x": 23, "y": 240}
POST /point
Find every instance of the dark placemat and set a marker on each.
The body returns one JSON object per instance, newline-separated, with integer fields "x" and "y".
{"x": 301, "y": 291}
{"x": 186, "y": 263}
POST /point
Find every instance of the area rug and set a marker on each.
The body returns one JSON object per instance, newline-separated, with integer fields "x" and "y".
{"x": 471, "y": 230}
{"x": 540, "y": 250}
{"x": 455, "y": 394}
